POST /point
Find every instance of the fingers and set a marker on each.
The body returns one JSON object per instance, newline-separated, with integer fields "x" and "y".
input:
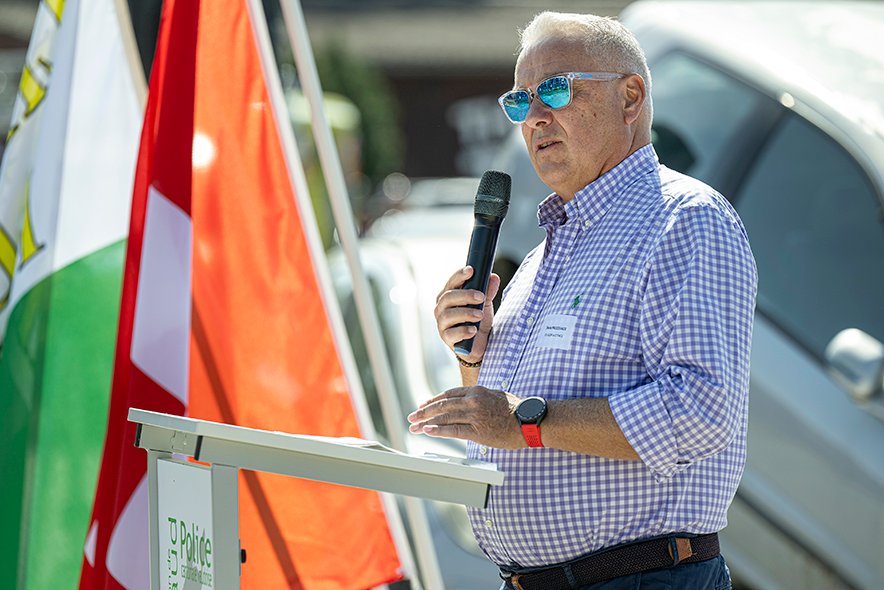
{"x": 472, "y": 413}
{"x": 453, "y": 316}
{"x": 452, "y": 309}
{"x": 446, "y": 425}
{"x": 453, "y": 296}
{"x": 444, "y": 409}
{"x": 461, "y": 431}
{"x": 456, "y": 281}
{"x": 450, "y": 320}
{"x": 438, "y": 405}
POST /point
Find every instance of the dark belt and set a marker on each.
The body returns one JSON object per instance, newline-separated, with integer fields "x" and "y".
{"x": 623, "y": 560}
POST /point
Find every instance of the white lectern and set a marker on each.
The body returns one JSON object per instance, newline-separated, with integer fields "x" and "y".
{"x": 194, "y": 509}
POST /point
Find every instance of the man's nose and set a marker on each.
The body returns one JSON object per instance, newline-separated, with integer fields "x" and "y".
{"x": 538, "y": 113}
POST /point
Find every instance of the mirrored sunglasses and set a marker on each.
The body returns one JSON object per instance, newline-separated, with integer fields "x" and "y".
{"x": 554, "y": 92}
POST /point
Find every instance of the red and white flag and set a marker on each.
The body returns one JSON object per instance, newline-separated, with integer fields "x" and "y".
{"x": 222, "y": 319}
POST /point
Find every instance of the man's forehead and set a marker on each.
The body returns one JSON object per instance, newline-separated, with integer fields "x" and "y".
{"x": 549, "y": 57}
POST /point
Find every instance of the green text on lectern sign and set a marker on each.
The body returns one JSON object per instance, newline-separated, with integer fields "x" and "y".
{"x": 185, "y": 525}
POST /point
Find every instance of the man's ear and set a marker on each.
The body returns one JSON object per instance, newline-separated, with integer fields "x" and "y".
{"x": 633, "y": 98}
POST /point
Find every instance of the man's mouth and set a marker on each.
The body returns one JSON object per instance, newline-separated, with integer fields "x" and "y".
{"x": 545, "y": 144}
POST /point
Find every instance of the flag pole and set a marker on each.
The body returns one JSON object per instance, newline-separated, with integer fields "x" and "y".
{"x": 343, "y": 214}
{"x": 130, "y": 48}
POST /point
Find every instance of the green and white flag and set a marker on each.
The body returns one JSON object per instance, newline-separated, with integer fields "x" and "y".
{"x": 65, "y": 191}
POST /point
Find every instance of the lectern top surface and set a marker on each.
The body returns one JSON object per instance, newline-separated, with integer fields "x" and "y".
{"x": 350, "y": 449}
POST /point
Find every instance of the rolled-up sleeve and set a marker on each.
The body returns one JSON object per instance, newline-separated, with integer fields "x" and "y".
{"x": 698, "y": 299}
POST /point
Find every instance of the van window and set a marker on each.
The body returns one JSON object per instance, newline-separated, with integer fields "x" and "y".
{"x": 814, "y": 223}
{"x": 698, "y": 110}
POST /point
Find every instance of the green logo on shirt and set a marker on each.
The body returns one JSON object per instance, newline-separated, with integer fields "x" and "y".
{"x": 576, "y": 302}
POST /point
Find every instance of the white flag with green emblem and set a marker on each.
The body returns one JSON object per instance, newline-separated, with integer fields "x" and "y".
{"x": 65, "y": 191}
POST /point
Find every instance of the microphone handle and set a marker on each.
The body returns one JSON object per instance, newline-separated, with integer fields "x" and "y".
{"x": 483, "y": 244}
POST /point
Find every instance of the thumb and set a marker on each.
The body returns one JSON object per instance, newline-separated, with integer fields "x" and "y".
{"x": 493, "y": 287}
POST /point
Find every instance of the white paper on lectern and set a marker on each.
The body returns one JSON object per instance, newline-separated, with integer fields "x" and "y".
{"x": 361, "y": 443}
{"x": 347, "y": 441}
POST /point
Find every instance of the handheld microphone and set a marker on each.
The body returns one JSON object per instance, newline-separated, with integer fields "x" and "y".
{"x": 492, "y": 202}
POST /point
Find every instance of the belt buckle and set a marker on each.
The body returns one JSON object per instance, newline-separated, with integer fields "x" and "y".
{"x": 514, "y": 580}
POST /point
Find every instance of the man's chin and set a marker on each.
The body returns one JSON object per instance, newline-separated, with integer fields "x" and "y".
{"x": 556, "y": 176}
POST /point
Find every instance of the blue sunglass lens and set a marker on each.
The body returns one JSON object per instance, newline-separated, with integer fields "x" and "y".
{"x": 555, "y": 92}
{"x": 516, "y": 105}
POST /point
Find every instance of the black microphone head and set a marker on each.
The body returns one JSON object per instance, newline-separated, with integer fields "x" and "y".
{"x": 493, "y": 196}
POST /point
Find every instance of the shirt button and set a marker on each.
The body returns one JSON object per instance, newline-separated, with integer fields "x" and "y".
{"x": 488, "y": 523}
{"x": 587, "y": 223}
{"x": 529, "y": 321}
{"x": 483, "y": 450}
{"x": 504, "y": 383}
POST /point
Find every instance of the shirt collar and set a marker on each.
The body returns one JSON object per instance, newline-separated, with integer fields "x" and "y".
{"x": 591, "y": 203}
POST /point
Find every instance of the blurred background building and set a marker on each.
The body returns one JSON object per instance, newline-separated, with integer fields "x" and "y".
{"x": 446, "y": 62}
{"x": 424, "y": 74}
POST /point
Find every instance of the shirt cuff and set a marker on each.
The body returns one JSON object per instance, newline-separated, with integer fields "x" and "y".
{"x": 644, "y": 420}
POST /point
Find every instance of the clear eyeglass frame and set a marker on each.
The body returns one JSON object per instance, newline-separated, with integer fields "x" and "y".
{"x": 516, "y": 108}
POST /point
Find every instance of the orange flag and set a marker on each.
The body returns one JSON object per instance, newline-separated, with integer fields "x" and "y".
{"x": 213, "y": 195}
{"x": 262, "y": 353}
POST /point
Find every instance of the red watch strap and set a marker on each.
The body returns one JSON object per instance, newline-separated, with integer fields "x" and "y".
{"x": 531, "y": 432}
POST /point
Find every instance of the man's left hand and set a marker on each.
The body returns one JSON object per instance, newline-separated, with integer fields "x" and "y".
{"x": 484, "y": 416}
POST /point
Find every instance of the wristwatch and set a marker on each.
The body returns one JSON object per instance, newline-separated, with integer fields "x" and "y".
{"x": 530, "y": 412}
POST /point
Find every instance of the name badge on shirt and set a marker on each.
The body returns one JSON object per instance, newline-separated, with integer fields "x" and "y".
{"x": 556, "y": 331}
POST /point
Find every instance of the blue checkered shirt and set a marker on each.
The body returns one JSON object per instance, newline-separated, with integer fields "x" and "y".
{"x": 656, "y": 269}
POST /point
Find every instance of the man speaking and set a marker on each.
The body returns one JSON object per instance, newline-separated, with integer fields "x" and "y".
{"x": 613, "y": 388}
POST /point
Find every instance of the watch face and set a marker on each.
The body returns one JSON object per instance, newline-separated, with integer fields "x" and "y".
{"x": 531, "y": 409}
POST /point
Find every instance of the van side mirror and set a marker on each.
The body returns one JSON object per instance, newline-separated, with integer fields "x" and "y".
{"x": 856, "y": 361}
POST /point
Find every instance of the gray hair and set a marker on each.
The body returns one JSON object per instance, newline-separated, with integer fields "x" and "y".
{"x": 611, "y": 45}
